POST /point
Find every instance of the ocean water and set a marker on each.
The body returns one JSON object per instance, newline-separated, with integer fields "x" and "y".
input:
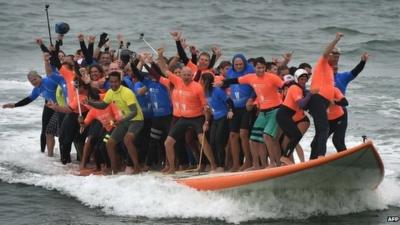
{"x": 36, "y": 189}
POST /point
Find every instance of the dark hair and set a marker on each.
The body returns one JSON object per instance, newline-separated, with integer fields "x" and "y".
{"x": 208, "y": 80}
{"x": 78, "y": 52}
{"x": 107, "y": 53}
{"x": 260, "y": 60}
{"x": 94, "y": 93}
{"x": 269, "y": 65}
{"x": 78, "y": 82}
{"x": 98, "y": 67}
{"x": 223, "y": 64}
{"x": 205, "y": 54}
{"x": 115, "y": 74}
{"x": 282, "y": 68}
{"x": 304, "y": 65}
{"x": 251, "y": 60}
{"x": 292, "y": 70}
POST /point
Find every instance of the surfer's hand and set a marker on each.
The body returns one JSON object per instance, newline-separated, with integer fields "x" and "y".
{"x": 80, "y": 119}
{"x": 217, "y": 51}
{"x": 176, "y": 35}
{"x": 160, "y": 51}
{"x": 91, "y": 38}
{"x": 8, "y": 105}
{"x": 339, "y": 35}
{"x": 364, "y": 57}
{"x": 81, "y": 37}
{"x": 205, "y": 126}
{"x": 39, "y": 41}
{"x": 230, "y": 114}
{"x": 103, "y": 40}
{"x": 314, "y": 91}
{"x": 218, "y": 83}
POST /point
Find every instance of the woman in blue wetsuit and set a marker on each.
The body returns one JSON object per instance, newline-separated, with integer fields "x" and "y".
{"x": 221, "y": 108}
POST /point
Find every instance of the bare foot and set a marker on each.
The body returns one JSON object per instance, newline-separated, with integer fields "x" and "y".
{"x": 145, "y": 168}
{"x": 245, "y": 166}
{"x": 271, "y": 165}
{"x": 217, "y": 170}
{"x": 136, "y": 170}
{"x": 165, "y": 169}
{"x": 285, "y": 161}
{"x": 170, "y": 171}
{"x": 234, "y": 169}
{"x": 129, "y": 170}
{"x": 253, "y": 168}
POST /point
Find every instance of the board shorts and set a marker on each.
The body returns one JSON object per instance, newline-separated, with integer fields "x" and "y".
{"x": 265, "y": 124}
{"x": 125, "y": 127}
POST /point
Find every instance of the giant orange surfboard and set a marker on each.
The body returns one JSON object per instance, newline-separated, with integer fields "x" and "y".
{"x": 358, "y": 168}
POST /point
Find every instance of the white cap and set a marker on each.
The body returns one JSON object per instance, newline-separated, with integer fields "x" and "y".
{"x": 288, "y": 78}
{"x": 299, "y": 73}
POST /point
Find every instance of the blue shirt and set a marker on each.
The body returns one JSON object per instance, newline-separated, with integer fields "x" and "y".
{"x": 342, "y": 80}
{"x": 144, "y": 100}
{"x": 160, "y": 98}
{"x": 48, "y": 86}
{"x": 217, "y": 101}
{"x": 240, "y": 93}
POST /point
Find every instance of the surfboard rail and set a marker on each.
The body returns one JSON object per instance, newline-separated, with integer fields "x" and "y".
{"x": 360, "y": 167}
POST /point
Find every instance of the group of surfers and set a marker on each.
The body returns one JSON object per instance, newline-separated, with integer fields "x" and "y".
{"x": 134, "y": 112}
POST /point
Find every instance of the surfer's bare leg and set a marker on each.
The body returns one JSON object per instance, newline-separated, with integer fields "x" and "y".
{"x": 50, "y": 142}
{"x": 303, "y": 127}
{"x": 86, "y": 152}
{"x": 111, "y": 150}
{"x": 129, "y": 140}
{"x": 273, "y": 150}
{"x": 234, "y": 144}
{"x": 208, "y": 151}
{"x": 244, "y": 137}
{"x": 170, "y": 152}
{"x": 255, "y": 155}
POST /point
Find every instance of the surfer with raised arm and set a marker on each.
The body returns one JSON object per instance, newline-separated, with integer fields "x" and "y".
{"x": 323, "y": 79}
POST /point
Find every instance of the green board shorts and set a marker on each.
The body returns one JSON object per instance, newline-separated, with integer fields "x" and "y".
{"x": 125, "y": 127}
{"x": 265, "y": 124}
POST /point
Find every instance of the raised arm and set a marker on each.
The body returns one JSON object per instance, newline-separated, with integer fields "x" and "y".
{"x": 360, "y": 66}
{"x": 102, "y": 42}
{"x": 217, "y": 53}
{"x": 47, "y": 66}
{"x": 87, "y": 52}
{"x": 181, "y": 51}
{"x": 332, "y": 45}
{"x": 161, "y": 61}
{"x": 39, "y": 42}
